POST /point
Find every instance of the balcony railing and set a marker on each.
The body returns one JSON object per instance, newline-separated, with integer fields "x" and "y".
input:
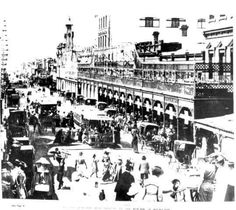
{"x": 154, "y": 85}
{"x": 200, "y": 79}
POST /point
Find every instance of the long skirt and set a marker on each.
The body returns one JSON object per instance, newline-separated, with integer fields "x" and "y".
{"x": 135, "y": 146}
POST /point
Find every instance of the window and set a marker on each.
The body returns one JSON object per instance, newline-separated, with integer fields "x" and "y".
{"x": 210, "y": 66}
{"x": 148, "y": 21}
{"x": 210, "y": 57}
{"x": 174, "y": 22}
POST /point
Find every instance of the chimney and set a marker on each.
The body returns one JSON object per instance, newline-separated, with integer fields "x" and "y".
{"x": 155, "y": 36}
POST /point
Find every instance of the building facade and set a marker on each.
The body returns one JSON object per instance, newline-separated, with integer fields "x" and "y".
{"x": 67, "y": 63}
{"x": 165, "y": 83}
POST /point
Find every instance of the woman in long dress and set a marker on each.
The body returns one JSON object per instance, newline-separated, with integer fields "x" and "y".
{"x": 80, "y": 168}
{"x": 94, "y": 166}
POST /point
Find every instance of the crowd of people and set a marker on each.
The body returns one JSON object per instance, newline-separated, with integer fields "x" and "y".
{"x": 141, "y": 180}
{"x": 121, "y": 173}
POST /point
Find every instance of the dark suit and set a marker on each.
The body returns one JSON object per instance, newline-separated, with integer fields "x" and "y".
{"x": 123, "y": 185}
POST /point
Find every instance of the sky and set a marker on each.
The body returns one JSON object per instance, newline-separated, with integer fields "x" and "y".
{"x": 36, "y": 27}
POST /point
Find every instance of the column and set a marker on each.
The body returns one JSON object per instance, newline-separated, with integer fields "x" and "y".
{"x": 82, "y": 88}
{"x": 96, "y": 91}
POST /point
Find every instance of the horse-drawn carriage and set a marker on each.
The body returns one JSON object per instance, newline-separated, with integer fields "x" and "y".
{"x": 183, "y": 150}
{"x": 146, "y": 131}
{"x": 95, "y": 123}
{"x": 16, "y": 126}
{"x": 12, "y": 97}
{"x": 46, "y": 112}
{"x": 17, "y": 123}
{"x": 42, "y": 183}
{"x": 18, "y": 143}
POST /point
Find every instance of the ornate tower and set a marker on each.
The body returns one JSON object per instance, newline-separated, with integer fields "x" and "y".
{"x": 69, "y": 35}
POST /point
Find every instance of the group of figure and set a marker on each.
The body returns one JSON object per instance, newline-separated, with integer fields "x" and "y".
{"x": 14, "y": 180}
{"x": 127, "y": 186}
{"x": 217, "y": 184}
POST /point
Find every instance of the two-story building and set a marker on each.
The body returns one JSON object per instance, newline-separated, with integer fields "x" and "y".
{"x": 165, "y": 82}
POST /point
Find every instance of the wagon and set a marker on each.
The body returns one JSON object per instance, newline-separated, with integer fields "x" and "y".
{"x": 183, "y": 150}
{"x": 46, "y": 111}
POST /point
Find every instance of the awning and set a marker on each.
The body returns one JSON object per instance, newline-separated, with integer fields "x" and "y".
{"x": 222, "y": 125}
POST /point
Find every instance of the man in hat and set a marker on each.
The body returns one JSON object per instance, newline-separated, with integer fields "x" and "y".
{"x": 118, "y": 169}
{"x": 124, "y": 183}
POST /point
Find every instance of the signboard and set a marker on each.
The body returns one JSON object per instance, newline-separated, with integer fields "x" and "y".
{"x": 158, "y": 98}
{"x": 171, "y": 100}
{"x": 147, "y": 95}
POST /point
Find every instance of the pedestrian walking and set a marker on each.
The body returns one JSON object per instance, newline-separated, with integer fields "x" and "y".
{"x": 94, "y": 166}
{"x": 134, "y": 142}
{"x": 60, "y": 173}
{"x": 106, "y": 174}
{"x": 144, "y": 170}
{"x": 81, "y": 166}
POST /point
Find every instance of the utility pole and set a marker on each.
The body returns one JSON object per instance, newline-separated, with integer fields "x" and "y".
{"x": 4, "y": 58}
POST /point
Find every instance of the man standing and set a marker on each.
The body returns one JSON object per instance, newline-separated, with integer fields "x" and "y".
{"x": 124, "y": 183}
{"x": 144, "y": 169}
{"x": 118, "y": 170}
